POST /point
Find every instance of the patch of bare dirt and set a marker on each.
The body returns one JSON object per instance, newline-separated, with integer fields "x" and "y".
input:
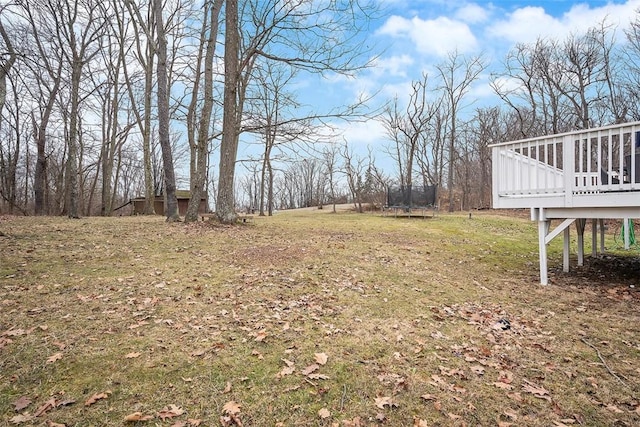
{"x": 603, "y": 271}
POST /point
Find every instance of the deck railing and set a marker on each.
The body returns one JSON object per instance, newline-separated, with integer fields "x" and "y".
{"x": 588, "y": 162}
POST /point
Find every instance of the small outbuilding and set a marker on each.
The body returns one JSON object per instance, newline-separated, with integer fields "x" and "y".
{"x": 183, "y": 197}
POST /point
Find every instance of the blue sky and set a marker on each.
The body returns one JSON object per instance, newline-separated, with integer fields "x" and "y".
{"x": 415, "y": 35}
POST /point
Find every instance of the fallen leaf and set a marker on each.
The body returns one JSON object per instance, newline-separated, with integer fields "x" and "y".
{"x": 310, "y": 369}
{"x": 138, "y": 416}
{"x": 614, "y": 409}
{"x": 417, "y": 422}
{"x": 46, "y": 406}
{"x": 515, "y": 396}
{"x": 537, "y": 391}
{"x": 231, "y": 408}
{"x": 21, "y": 418}
{"x": 170, "y": 412}
{"x": 132, "y": 355}
{"x": 287, "y": 362}
{"x": 321, "y": 358}
{"x": 428, "y": 397}
{"x": 65, "y": 402}
{"x": 93, "y": 399}
{"x": 260, "y": 336}
{"x": 324, "y": 413}
{"x": 288, "y": 370}
{"x": 511, "y": 414}
{"x": 506, "y": 377}
{"x": 137, "y": 325}
{"x": 21, "y": 403}
{"x": 194, "y": 422}
{"x": 503, "y": 386}
{"x": 179, "y": 424}
{"x": 477, "y": 369}
{"x": 356, "y": 422}
{"x": 227, "y": 388}
{"x": 54, "y": 357}
{"x": 52, "y": 424}
{"x": 318, "y": 377}
{"x": 383, "y": 401}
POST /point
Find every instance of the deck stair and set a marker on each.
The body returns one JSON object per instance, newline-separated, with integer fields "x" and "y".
{"x": 591, "y": 174}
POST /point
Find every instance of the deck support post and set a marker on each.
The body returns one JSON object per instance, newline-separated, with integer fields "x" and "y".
{"x": 580, "y": 225}
{"x": 594, "y": 237}
{"x": 543, "y": 229}
{"x": 566, "y": 240}
{"x": 625, "y": 227}
{"x": 601, "y": 221}
{"x": 545, "y": 236}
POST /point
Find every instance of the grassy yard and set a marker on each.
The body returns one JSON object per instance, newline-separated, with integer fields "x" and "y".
{"x": 311, "y": 318}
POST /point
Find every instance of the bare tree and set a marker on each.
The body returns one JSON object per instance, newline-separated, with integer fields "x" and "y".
{"x": 489, "y": 129}
{"x": 301, "y": 34}
{"x": 80, "y": 26}
{"x": 225, "y": 209}
{"x": 144, "y": 33}
{"x": 43, "y": 58}
{"x": 8, "y": 159}
{"x": 171, "y": 206}
{"x": 200, "y": 147}
{"x": 457, "y": 74}
{"x": 632, "y": 67}
{"x": 330, "y": 154}
{"x": 408, "y": 129}
{"x": 5, "y": 64}
{"x": 354, "y": 171}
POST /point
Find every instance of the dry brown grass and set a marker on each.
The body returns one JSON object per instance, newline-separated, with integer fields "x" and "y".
{"x": 141, "y": 315}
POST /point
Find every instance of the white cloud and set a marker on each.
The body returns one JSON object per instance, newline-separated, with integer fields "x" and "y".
{"x": 472, "y": 13}
{"x": 394, "y": 65}
{"x": 437, "y": 36}
{"x": 525, "y": 25}
{"x": 367, "y": 133}
{"x": 401, "y": 90}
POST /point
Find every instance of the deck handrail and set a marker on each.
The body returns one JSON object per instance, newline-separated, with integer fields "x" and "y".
{"x": 576, "y": 164}
{"x": 563, "y": 134}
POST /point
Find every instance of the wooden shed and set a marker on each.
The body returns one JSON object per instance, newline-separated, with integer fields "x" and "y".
{"x": 158, "y": 203}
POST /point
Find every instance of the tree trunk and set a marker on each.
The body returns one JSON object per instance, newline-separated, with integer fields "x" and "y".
{"x": 72, "y": 155}
{"x": 171, "y": 207}
{"x": 149, "y": 193}
{"x": 202, "y": 151}
{"x": 225, "y": 206}
{"x": 5, "y": 67}
{"x": 270, "y": 189}
{"x": 452, "y": 158}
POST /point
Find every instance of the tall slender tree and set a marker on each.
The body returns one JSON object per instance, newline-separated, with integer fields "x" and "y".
{"x": 171, "y": 206}
{"x": 200, "y": 146}
{"x": 457, "y": 74}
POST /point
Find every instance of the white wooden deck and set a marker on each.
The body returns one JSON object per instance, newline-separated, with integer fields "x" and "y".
{"x": 591, "y": 174}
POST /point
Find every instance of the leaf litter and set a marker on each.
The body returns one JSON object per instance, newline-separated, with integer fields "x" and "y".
{"x": 437, "y": 356}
